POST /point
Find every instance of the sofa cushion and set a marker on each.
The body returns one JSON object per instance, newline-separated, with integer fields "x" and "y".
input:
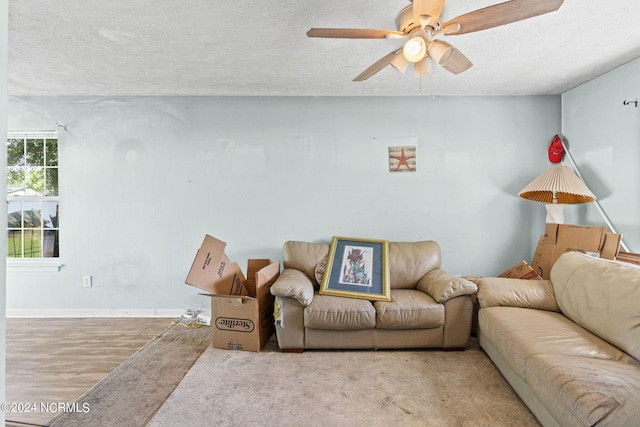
{"x": 500, "y": 291}
{"x": 585, "y": 392}
{"x": 303, "y": 256}
{"x": 602, "y": 296}
{"x": 520, "y": 333}
{"x": 409, "y": 261}
{"x": 330, "y": 312}
{"x": 319, "y": 271}
{"x": 409, "y": 309}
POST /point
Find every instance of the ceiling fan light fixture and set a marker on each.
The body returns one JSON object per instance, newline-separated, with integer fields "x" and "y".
{"x": 420, "y": 22}
{"x": 415, "y": 49}
{"x": 423, "y": 68}
{"x": 440, "y": 51}
{"x": 400, "y": 63}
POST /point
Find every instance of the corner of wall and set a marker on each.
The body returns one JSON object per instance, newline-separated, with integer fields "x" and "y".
{"x": 4, "y": 40}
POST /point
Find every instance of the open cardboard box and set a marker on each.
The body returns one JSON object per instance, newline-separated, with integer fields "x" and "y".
{"x": 629, "y": 258}
{"x": 241, "y": 308}
{"x": 521, "y": 270}
{"x": 561, "y": 238}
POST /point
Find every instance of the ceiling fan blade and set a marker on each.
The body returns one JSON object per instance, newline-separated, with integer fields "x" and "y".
{"x": 354, "y": 33}
{"x": 377, "y": 66}
{"x": 501, "y": 14}
{"x": 457, "y": 63}
{"x": 427, "y": 12}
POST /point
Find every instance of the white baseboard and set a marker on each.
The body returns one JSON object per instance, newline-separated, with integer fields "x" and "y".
{"x": 170, "y": 313}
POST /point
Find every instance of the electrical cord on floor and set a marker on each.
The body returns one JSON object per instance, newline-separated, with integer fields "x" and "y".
{"x": 192, "y": 324}
{"x": 191, "y": 319}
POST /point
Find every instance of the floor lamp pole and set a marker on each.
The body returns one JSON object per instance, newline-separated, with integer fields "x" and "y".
{"x": 602, "y": 213}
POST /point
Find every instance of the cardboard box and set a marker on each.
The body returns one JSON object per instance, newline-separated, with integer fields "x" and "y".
{"x": 212, "y": 271}
{"x": 241, "y": 309}
{"x": 629, "y": 258}
{"x": 611, "y": 247}
{"x": 522, "y": 270}
{"x": 561, "y": 238}
{"x": 246, "y": 322}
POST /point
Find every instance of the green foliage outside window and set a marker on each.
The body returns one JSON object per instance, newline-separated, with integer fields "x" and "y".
{"x": 32, "y": 190}
{"x": 32, "y": 166}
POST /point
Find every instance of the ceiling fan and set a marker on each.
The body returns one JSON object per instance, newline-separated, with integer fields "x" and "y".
{"x": 420, "y": 23}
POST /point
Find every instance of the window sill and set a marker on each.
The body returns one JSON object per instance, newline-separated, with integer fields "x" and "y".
{"x": 44, "y": 264}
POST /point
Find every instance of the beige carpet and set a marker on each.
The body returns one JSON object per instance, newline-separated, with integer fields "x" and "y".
{"x": 343, "y": 388}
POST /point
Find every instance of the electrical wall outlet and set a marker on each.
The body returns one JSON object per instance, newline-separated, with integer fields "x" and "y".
{"x": 87, "y": 281}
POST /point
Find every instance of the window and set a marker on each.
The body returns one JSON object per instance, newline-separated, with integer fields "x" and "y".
{"x": 33, "y": 233}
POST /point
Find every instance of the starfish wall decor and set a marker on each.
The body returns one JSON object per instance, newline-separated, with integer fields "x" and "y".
{"x": 402, "y": 159}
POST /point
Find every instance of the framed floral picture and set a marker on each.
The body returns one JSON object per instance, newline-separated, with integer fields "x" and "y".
{"x": 357, "y": 268}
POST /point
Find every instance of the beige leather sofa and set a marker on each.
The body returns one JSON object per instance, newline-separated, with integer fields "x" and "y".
{"x": 569, "y": 346}
{"x": 429, "y": 307}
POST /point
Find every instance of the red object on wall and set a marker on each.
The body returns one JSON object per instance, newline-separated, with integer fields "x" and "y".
{"x": 556, "y": 150}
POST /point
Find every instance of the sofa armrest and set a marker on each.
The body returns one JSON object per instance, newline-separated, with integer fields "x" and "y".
{"x": 443, "y": 286}
{"x": 500, "y": 291}
{"x": 295, "y": 284}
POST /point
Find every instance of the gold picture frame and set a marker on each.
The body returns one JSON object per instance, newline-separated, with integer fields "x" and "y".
{"x": 357, "y": 268}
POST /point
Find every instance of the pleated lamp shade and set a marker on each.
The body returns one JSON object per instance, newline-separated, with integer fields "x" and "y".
{"x": 558, "y": 184}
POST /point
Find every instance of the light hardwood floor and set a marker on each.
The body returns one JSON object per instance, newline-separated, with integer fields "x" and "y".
{"x": 57, "y": 360}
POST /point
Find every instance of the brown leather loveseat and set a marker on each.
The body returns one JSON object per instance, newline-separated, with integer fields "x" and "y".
{"x": 429, "y": 307}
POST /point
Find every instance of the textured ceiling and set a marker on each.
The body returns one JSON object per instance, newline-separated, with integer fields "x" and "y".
{"x": 222, "y": 47}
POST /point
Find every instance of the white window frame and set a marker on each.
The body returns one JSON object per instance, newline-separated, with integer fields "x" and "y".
{"x": 33, "y": 264}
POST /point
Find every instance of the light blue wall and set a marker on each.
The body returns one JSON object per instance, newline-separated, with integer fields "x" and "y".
{"x": 604, "y": 138}
{"x": 144, "y": 179}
